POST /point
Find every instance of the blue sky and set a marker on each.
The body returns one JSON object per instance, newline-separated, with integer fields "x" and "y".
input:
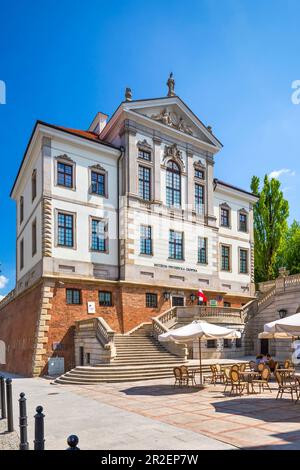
{"x": 233, "y": 60}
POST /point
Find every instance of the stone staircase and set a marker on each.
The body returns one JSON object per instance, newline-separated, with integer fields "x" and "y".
{"x": 139, "y": 357}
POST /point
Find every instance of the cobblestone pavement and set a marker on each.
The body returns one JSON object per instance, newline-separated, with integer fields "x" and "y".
{"x": 8, "y": 441}
{"x": 255, "y": 421}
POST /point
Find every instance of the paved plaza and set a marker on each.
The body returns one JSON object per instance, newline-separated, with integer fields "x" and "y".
{"x": 155, "y": 415}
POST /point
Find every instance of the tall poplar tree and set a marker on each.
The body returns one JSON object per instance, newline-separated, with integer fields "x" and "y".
{"x": 270, "y": 226}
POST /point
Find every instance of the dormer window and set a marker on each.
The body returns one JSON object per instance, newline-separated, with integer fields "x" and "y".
{"x": 145, "y": 155}
{"x": 199, "y": 174}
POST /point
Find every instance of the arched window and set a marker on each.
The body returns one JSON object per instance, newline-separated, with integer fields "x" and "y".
{"x": 173, "y": 184}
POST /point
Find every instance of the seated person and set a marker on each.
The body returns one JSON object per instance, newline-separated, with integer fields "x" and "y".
{"x": 271, "y": 363}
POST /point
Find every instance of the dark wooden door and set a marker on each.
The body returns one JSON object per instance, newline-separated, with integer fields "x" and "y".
{"x": 264, "y": 346}
{"x": 177, "y": 301}
{"x": 81, "y": 355}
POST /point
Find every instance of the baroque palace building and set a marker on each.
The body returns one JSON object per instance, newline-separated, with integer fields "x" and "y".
{"x": 123, "y": 221}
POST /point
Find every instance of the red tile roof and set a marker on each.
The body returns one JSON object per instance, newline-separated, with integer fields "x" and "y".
{"x": 88, "y": 134}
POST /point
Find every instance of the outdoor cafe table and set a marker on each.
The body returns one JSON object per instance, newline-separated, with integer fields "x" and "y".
{"x": 248, "y": 376}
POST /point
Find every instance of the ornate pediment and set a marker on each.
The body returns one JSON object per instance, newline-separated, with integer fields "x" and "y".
{"x": 173, "y": 153}
{"x": 199, "y": 165}
{"x": 144, "y": 145}
{"x": 97, "y": 167}
{"x": 172, "y": 119}
{"x": 64, "y": 157}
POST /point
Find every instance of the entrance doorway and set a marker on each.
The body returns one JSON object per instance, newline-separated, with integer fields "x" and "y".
{"x": 264, "y": 346}
{"x": 177, "y": 301}
{"x": 81, "y": 355}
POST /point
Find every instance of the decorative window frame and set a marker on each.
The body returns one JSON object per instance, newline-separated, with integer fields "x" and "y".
{"x": 199, "y": 166}
{"x": 149, "y": 165}
{"x": 200, "y": 182}
{"x": 143, "y": 145}
{"x": 226, "y": 206}
{"x": 248, "y": 260}
{"x": 230, "y": 258}
{"x": 171, "y": 152}
{"x": 74, "y": 214}
{"x": 183, "y": 246}
{"x": 101, "y": 171}
{"x": 100, "y": 219}
{"x": 67, "y": 161}
{"x": 111, "y": 298}
{"x": 246, "y": 213}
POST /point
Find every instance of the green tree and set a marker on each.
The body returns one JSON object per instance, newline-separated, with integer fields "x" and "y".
{"x": 289, "y": 255}
{"x": 270, "y": 226}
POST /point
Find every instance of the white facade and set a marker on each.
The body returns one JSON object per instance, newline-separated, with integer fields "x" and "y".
{"x": 167, "y": 131}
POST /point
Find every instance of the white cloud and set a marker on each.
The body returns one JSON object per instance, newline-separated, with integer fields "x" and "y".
{"x": 277, "y": 173}
{"x": 2, "y": 297}
{"x": 3, "y": 281}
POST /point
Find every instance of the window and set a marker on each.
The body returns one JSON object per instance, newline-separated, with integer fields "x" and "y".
{"x": 211, "y": 343}
{"x": 73, "y": 296}
{"x": 199, "y": 198}
{"x": 65, "y": 236}
{"x": 243, "y": 261}
{"x": 243, "y": 222}
{"x": 98, "y": 183}
{"x": 33, "y": 237}
{"x": 202, "y": 250}
{"x": 145, "y": 183}
{"x": 98, "y": 235}
{"x": 22, "y": 254}
{"x": 227, "y": 304}
{"x": 21, "y": 209}
{"x": 151, "y": 300}
{"x": 173, "y": 185}
{"x": 225, "y": 258}
{"x": 33, "y": 185}
{"x": 146, "y": 240}
{"x": 105, "y": 299}
{"x": 176, "y": 245}
{"x": 238, "y": 342}
{"x": 199, "y": 174}
{"x": 227, "y": 343}
{"x": 145, "y": 155}
{"x": 64, "y": 175}
{"x": 225, "y": 222}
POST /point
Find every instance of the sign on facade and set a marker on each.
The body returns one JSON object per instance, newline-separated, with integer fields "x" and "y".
{"x": 91, "y": 307}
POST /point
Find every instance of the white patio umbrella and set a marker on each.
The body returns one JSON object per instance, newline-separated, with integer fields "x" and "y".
{"x": 201, "y": 330}
{"x": 285, "y": 328}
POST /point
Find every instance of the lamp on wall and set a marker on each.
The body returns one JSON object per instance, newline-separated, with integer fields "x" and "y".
{"x": 167, "y": 295}
{"x": 193, "y": 297}
{"x": 282, "y": 313}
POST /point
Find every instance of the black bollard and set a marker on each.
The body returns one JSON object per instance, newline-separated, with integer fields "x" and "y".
{"x": 39, "y": 441}
{"x": 23, "y": 423}
{"x": 72, "y": 442}
{"x": 3, "y": 401}
{"x": 10, "y": 416}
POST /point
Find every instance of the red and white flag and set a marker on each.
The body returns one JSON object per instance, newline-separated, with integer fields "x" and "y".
{"x": 202, "y": 296}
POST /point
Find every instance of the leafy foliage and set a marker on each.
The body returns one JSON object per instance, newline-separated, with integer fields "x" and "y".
{"x": 270, "y": 226}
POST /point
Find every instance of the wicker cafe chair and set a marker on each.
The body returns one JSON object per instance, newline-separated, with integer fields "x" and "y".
{"x": 264, "y": 379}
{"x": 243, "y": 367}
{"x": 217, "y": 374}
{"x": 287, "y": 364}
{"x": 178, "y": 376}
{"x": 236, "y": 382}
{"x": 286, "y": 387}
{"x": 187, "y": 375}
{"x": 227, "y": 378}
{"x": 235, "y": 367}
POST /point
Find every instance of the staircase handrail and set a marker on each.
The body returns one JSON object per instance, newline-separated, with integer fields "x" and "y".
{"x": 168, "y": 315}
{"x": 104, "y": 333}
